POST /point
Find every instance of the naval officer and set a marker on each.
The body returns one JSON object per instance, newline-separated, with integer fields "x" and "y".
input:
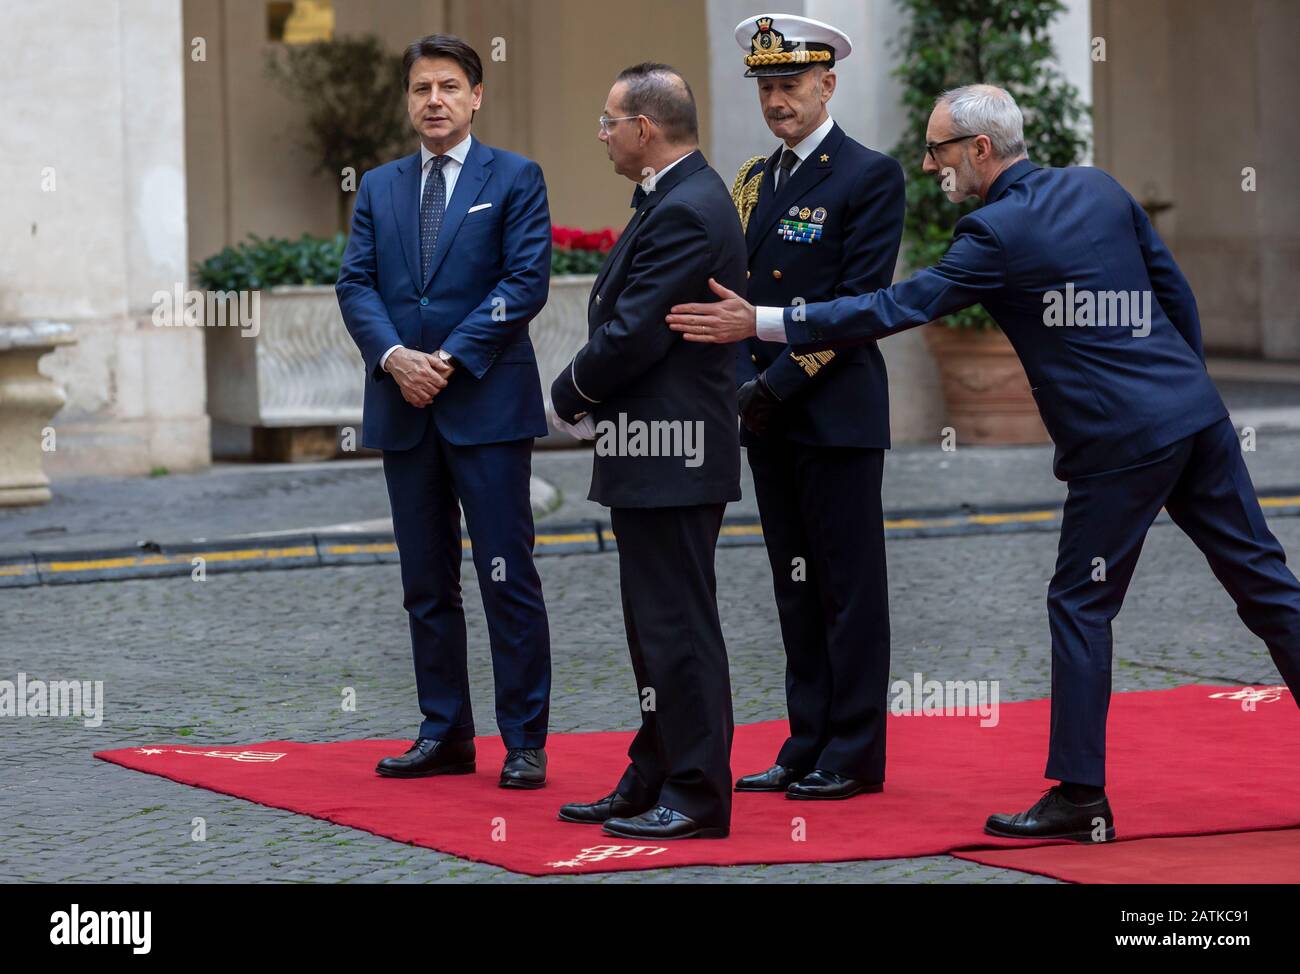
{"x": 823, "y": 217}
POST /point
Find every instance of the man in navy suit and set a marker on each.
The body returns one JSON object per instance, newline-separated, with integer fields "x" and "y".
{"x": 1067, "y": 263}
{"x": 448, "y": 261}
{"x": 663, "y": 413}
{"x": 823, "y": 218}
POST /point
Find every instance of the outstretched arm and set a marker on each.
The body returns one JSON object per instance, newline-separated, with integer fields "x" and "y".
{"x": 971, "y": 270}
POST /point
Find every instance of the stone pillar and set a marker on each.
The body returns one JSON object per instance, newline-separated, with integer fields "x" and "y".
{"x": 95, "y": 223}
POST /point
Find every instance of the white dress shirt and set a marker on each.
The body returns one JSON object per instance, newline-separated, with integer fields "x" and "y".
{"x": 450, "y": 171}
{"x": 770, "y": 322}
{"x": 663, "y": 172}
{"x": 805, "y": 148}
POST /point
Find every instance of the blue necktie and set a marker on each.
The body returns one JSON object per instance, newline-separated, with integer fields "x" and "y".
{"x": 639, "y": 196}
{"x": 433, "y": 204}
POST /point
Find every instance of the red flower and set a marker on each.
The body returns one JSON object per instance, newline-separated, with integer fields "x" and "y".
{"x": 571, "y": 238}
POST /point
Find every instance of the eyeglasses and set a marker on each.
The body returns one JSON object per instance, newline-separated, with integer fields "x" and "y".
{"x": 931, "y": 146}
{"x": 605, "y": 120}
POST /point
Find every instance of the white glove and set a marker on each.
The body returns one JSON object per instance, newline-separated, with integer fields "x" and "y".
{"x": 583, "y": 429}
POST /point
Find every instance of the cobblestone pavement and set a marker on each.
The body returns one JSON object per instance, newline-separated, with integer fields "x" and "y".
{"x": 263, "y": 655}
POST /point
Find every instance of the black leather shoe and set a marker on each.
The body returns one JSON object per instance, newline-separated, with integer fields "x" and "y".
{"x": 775, "y": 778}
{"x": 525, "y": 767}
{"x": 1055, "y": 817}
{"x": 829, "y": 785}
{"x": 601, "y": 810}
{"x": 429, "y": 756}
{"x": 661, "y": 823}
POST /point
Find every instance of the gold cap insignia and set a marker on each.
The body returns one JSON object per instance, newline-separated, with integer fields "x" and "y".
{"x": 765, "y": 39}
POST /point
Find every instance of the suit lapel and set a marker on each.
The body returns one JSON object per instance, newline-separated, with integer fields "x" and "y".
{"x": 810, "y": 172}
{"x": 405, "y": 192}
{"x": 619, "y": 246}
{"x": 473, "y": 175}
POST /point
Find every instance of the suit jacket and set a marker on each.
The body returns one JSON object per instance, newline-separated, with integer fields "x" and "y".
{"x": 490, "y": 277}
{"x": 859, "y": 195}
{"x": 1108, "y": 393}
{"x": 635, "y": 368}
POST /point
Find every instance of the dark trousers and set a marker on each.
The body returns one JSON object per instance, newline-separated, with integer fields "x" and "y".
{"x": 427, "y": 486}
{"x": 1202, "y": 482}
{"x": 681, "y": 756}
{"x": 825, "y": 536}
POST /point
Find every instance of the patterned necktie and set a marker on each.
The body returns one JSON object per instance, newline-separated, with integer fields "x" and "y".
{"x": 788, "y": 159}
{"x": 433, "y": 204}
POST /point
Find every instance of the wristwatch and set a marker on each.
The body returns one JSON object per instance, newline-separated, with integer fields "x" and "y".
{"x": 445, "y": 355}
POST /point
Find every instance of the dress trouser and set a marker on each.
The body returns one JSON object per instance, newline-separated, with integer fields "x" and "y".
{"x": 681, "y": 756}
{"x": 1203, "y": 483}
{"x": 824, "y": 530}
{"x": 427, "y": 487}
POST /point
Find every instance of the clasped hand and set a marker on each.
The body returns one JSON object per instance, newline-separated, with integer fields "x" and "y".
{"x": 419, "y": 375}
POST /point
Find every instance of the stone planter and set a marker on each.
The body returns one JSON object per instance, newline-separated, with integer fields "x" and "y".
{"x": 984, "y": 387}
{"x": 294, "y": 380}
{"x": 298, "y": 377}
{"x": 558, "y": 331}
{"x": 28, "y": 401}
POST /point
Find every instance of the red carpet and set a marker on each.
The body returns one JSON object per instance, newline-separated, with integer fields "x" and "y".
{"x": 1182, "y": 762}
{"x": 1235, "y": 857}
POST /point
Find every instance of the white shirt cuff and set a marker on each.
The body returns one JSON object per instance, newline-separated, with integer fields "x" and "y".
{"x": 383, "y": 362}
{"x": 770, "y": 324}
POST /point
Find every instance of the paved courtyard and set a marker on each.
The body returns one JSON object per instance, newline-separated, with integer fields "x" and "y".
{"x": 263, "y": 655}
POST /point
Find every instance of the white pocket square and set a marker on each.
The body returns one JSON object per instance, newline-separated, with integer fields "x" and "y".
{"x": 481, "y": 206}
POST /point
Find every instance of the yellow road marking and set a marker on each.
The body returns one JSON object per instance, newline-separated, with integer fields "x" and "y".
{"x": 137, "y": 561}
{"x": 1279, "y": 502}
{"x": 376, "y": 548}
{"x": 1016, "y": 518}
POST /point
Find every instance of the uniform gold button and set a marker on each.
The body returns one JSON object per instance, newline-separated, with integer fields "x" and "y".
{"x": 754, "y": 359}
{"x": 777, "y": 275}
{"x": 749, "y": 274}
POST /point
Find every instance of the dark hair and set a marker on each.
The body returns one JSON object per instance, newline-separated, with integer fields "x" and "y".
{"x": 443, "y": 45}
{"x": 660, "y": 91}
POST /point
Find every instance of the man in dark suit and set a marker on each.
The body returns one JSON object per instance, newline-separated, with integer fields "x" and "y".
{"x": 448, "y": 261}
{"x": 667, "y": 457}
{"x": 823, "y": 218}
{"x": 1067, "y": 262}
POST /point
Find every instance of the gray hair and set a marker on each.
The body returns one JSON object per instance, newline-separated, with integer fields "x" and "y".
{"x": 987, "y": 110}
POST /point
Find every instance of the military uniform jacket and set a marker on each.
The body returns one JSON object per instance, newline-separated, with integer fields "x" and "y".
{"x": 833, "y": 230}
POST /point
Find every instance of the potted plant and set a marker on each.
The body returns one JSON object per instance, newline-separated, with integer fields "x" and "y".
{"x": 946, "y": 44}
{"x": 354, "y": 121}
{"x": 293, "y": 376}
